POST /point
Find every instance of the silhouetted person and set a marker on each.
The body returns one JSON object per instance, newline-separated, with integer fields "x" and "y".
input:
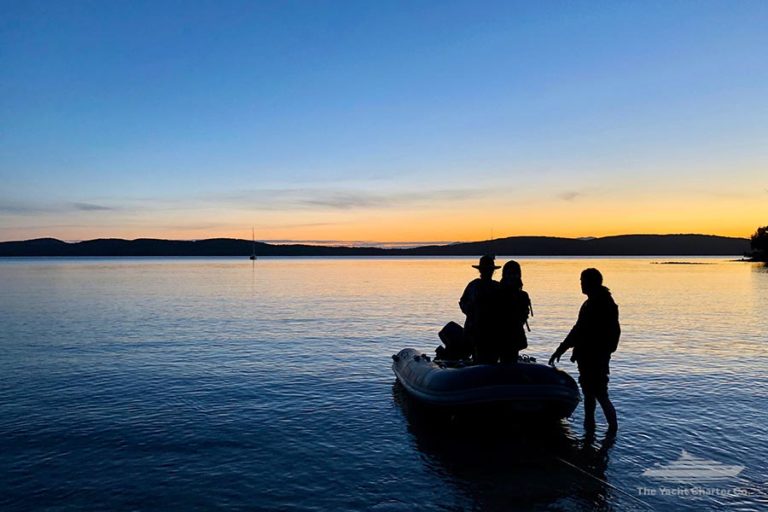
{"x": 480, "y": 303}
{"x": 593, "y": 339}
{"x": 514, "y": 308}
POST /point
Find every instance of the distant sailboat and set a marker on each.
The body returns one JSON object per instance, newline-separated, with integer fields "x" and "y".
{"x": 253, "y": 239}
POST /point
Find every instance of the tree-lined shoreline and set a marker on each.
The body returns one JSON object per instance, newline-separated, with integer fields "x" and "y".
{"x": 759, "y": 244}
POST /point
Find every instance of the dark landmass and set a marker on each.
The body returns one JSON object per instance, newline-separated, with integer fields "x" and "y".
{"x": 624, "y": 245}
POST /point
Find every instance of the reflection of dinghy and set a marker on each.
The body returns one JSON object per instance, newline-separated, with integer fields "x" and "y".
{"x": 525, "y": 387}
{"x": 690, "y": 468}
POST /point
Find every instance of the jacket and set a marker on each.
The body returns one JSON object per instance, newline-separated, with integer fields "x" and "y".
{"x": 480, "y": 303}
{"x": 515, "y": 308}
{"x": 595, "y": 336}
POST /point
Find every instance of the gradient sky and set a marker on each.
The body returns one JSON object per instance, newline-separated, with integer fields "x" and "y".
{"x": 381, "y": 120}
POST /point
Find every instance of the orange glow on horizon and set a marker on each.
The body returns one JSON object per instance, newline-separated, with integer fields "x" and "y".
{"x": 472, "y": 221}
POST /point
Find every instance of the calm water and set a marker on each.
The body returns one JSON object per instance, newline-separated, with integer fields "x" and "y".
{"x": 155, "y": 384}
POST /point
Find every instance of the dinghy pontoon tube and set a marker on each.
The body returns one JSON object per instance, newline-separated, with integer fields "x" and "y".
{"x": 522, "y": 388}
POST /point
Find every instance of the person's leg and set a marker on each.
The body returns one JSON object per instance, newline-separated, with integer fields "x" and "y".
{"x": 509, "y": 356}
{"x": 589, "y": 410}
{"x": 608, "y": 410}
{"x": 483, "y": 355}
{"x": 486, "y": 351}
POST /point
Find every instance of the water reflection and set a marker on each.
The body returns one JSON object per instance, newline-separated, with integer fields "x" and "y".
{"x": 288, "y": 353}
{"x": 493, "y": 463}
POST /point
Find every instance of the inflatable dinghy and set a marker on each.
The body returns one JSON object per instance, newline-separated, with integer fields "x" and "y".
{"x": 525, "y": 388}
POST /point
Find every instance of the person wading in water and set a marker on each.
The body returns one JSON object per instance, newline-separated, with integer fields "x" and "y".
{"x": 593, "y": 339}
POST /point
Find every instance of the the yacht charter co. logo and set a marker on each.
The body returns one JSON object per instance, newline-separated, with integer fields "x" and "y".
{"x": 692, "y": 476}
{"x": 690, "y": 469}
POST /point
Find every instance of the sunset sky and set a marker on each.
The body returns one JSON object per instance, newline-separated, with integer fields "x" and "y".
{"x": 382, "y": 121}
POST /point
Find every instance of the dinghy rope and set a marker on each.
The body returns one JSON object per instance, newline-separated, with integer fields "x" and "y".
{"x": 617, "y": 489}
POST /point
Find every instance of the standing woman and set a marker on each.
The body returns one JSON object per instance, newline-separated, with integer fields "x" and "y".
{"x": 515, "y": 308}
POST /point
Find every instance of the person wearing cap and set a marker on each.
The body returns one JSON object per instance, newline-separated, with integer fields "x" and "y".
{"x": 480, "y": 303}
{"x": 593, "y": 339}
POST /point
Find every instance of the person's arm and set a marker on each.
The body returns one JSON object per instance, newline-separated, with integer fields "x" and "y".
{"x": 615, "y": 333}
{"x": 466, "y": 300}
{"x": 568, "y": 342}
{"x": 525, "y": 307}
{"x": 524, "y": 310}
{"x": 571, "y": 340}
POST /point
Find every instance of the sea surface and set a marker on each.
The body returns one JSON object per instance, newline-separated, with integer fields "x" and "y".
{"x": 225, "y": 384}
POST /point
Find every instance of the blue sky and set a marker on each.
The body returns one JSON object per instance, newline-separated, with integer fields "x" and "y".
{"x": 382, "y": 121}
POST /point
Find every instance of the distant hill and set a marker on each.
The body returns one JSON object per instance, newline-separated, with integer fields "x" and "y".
{"x": 624, "y": 245}
{"x": 158, "y": 247}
